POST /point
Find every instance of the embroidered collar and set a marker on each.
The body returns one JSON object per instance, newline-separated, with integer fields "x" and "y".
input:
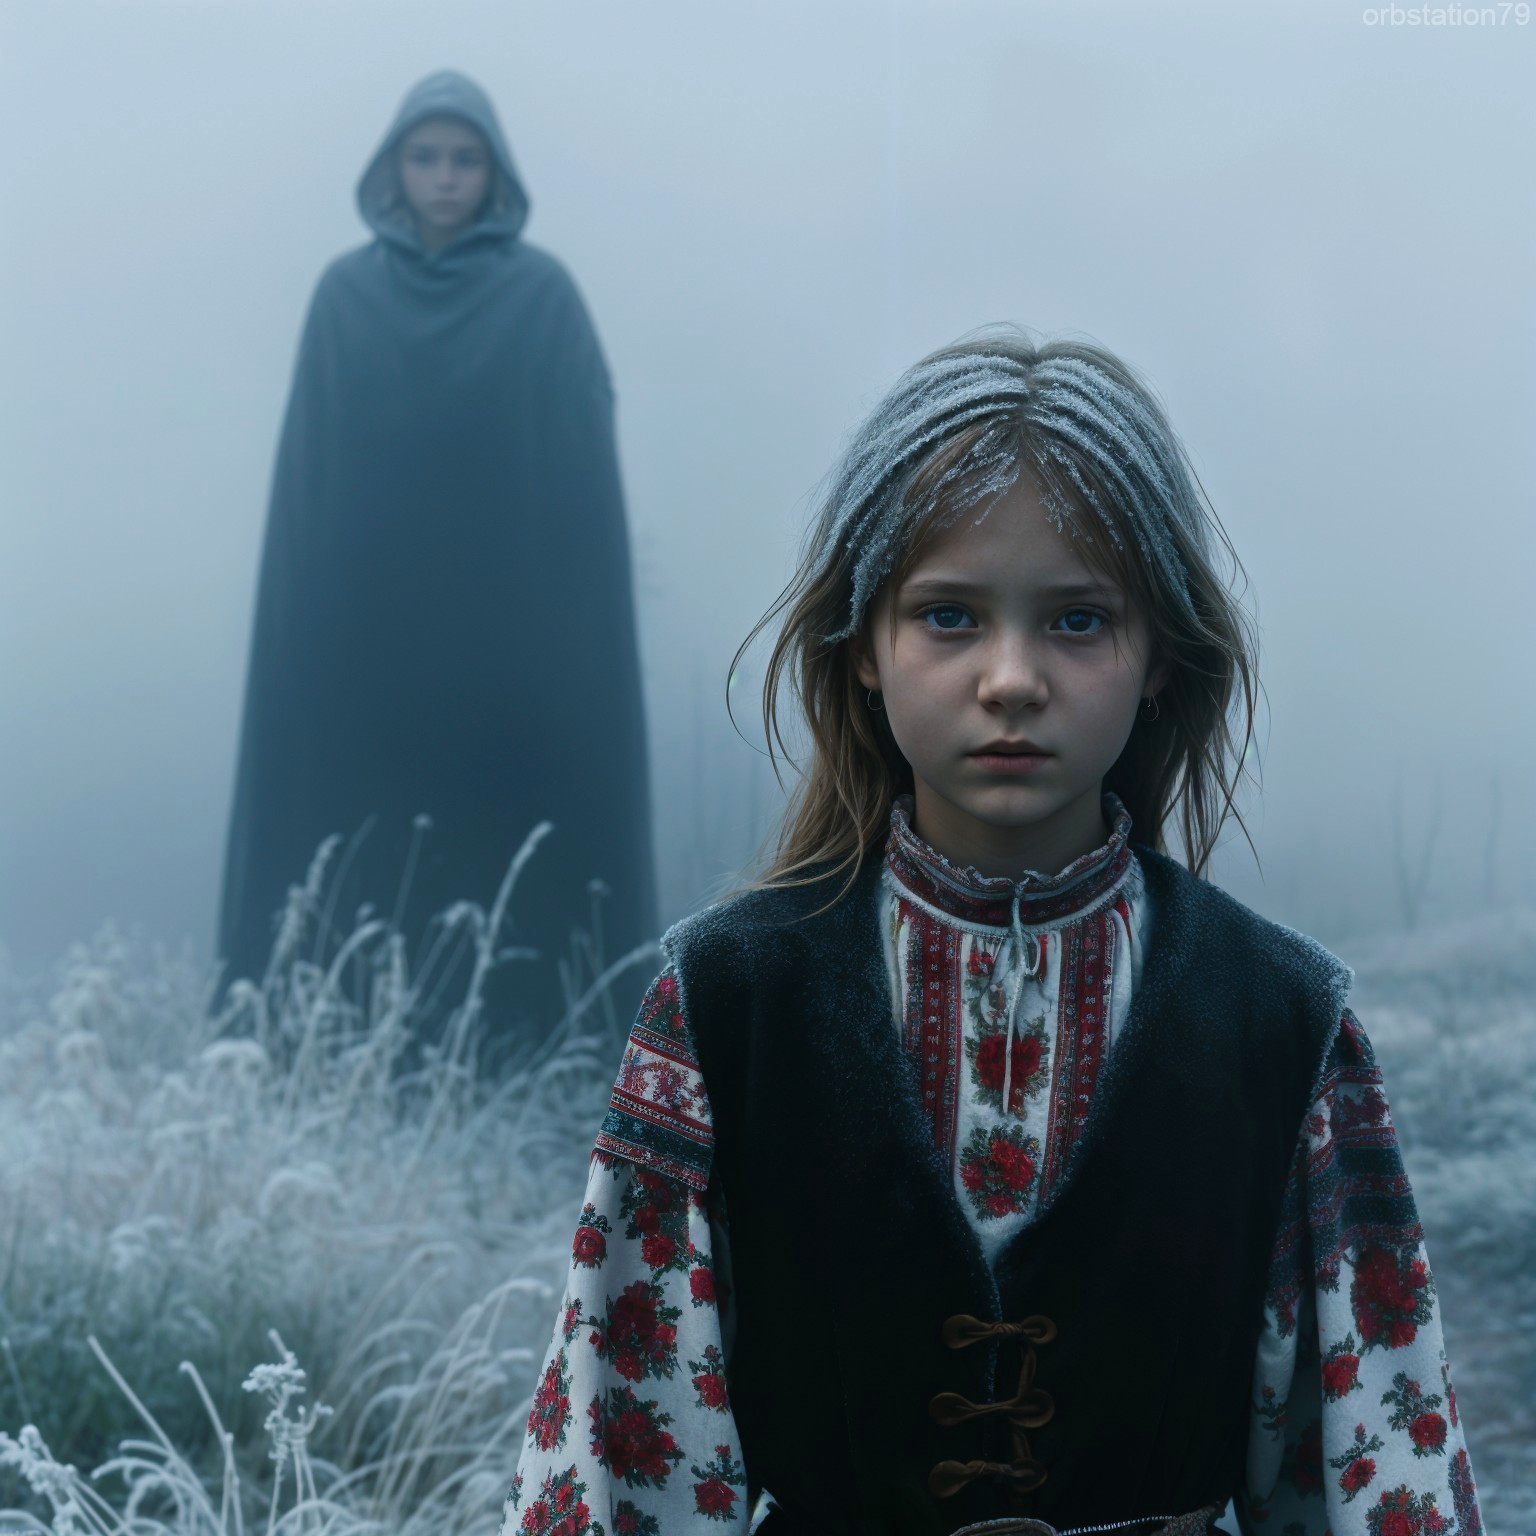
{"x": 972, "y": 897}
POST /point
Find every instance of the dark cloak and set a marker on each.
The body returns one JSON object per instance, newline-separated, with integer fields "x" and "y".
{"x": 444, "y": 619}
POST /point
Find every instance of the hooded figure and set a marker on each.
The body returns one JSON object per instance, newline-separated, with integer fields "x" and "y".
{"x": 444, "y": 621}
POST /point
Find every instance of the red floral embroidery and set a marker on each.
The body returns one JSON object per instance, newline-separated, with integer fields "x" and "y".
{"x": 629, "y": 1521}
{"x": 658, "y": 1250}
{"x": 655, "y": 1210}
{"x": 1450, "y": 1391}
{"x": 1469, "y": 1519}
{"x": 1341, "y": 1369}
{"x": 662, "y": 1009}
{"x": 984, "y": 1050}
{"x": 658, "y": 1115}
{"x": 997, "y": 1169}
{"x": 1307, "y": 1469}
{"x": 701, "y": 1285}
{"x": 1271, "y": 1411}
{"x": 1414, "y": 1411}
{"x": 1405, "y": 1513}
{"x": 1355, "y": 1467}
{"x": 709, "y": 1379}
{"x": 630, "y": 1438}
{"x": 1356, "y": 1476}
{"x": 559, "y": 1508}
{"x": 551, "y": 1411}
{"x": 715, "y": 1495}
{"x": 1392, "y": 1295}
{"x": 590, "y": 1246}
{"x": 639, "y": 1334}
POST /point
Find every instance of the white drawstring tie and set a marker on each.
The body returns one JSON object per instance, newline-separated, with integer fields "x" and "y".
{"x": 1029, "y": 970}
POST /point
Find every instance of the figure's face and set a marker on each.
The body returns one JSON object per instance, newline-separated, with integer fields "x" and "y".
{"x": 1011, "y": 683}
{"x": 445, "y": 172}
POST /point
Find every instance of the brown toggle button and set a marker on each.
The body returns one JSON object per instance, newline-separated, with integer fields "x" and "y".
{"x": 949, "y": 1477}
{"x": 1029, "y": 1410}
{"x": 963, "y": 1330}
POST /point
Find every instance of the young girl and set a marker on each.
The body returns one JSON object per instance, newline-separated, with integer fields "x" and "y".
{"x": 981, "y": 1168}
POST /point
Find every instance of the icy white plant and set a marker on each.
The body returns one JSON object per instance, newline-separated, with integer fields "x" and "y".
{"x": 175, "y": 1184}
{"x": 281, "y": 1384}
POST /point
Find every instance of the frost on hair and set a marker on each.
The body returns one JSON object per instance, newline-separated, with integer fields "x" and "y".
{"x": 1072, "y": 409}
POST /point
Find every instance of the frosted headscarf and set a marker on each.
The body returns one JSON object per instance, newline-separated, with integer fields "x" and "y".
{"x": 1069, "y": 411}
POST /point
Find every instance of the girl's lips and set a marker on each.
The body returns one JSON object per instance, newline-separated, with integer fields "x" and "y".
{"x": 1010, "y": 762}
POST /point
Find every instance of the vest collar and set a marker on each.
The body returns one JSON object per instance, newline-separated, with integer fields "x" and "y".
{"x": 971, "y": 897}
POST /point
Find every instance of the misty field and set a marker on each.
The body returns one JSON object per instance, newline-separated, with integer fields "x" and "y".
{"x": 263, "y": 1268}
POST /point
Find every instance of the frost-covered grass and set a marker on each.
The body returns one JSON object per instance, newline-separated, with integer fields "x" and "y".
{"x": 180, "y": 1187}
{"x": 272, "y": 1191}
{"x": 1452, "y": 1014}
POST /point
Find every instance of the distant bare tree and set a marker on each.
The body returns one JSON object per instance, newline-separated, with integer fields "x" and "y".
{"x": 1413, "y": 882}
{"x": 1491, "y": 849}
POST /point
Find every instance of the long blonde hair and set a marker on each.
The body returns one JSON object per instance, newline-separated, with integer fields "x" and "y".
{"x": 956, "y": 430}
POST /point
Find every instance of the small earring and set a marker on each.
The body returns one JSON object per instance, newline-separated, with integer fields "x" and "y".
{"x": 1151, "y": 699}
{"x": 869, "y": 693}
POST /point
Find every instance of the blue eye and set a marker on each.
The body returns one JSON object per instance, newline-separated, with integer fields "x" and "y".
{"x": 1081, "y": 621}
{"x": 947, "y": 616}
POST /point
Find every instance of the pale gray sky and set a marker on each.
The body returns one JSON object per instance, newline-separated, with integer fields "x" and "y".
{"x": 1313, "y": 234}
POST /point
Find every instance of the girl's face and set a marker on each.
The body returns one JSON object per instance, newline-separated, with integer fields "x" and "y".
{"x": 1011, "y": 682}
{"x": 445, "y": 171}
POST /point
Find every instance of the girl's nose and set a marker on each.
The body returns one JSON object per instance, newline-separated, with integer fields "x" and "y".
{"x": 1013, "y": 676}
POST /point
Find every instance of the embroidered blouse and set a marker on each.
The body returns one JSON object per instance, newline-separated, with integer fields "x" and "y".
{"x": 1009, "y": 996}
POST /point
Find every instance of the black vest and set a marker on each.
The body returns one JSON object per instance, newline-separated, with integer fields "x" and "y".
{"x": 850, "y": 1253}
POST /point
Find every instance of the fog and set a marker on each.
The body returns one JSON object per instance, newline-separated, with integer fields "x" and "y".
{"x": 1314, "y": 235}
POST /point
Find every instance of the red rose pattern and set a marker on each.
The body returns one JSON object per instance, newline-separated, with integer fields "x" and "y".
{"x": 629, "y": 1520}
{"x": 1341, "y": 1369}
{"x": 1402, "y": 1512}
{"x": 715, "y": 1493}
{"x": 997, "y": 1170}
{"x": 655, "y": 1211}
{"x": 986, "y": 1055}
{"x": 1469, "y": 1520}
{"x": 639, "y": 1334}
{"x": 658, "y": 1250}
{"x": 590, "y": 1246}
{"x": 551, "y": 1410}
{"x": 1392, "y": 1296}
{"x": 709, "y": 1379}
{"x": 701, "y": 1284}
{"x": 1356, "y": 1467}
{"x": 1414, "y": 1411}
{"x": 1427, "y": 1432}
{"x": 559, "y": 1508}
{"x": 1357, "y": 1475}
{"x": 630, "y": 1438}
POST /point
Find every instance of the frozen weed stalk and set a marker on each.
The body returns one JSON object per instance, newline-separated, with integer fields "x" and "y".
{"x": 174, "y": 1184}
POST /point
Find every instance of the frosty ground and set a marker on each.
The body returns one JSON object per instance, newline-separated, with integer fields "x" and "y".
{"x": 268, "y": 1188}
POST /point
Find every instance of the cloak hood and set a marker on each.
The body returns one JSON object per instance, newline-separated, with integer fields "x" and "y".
{"x": 444, "y": 94}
